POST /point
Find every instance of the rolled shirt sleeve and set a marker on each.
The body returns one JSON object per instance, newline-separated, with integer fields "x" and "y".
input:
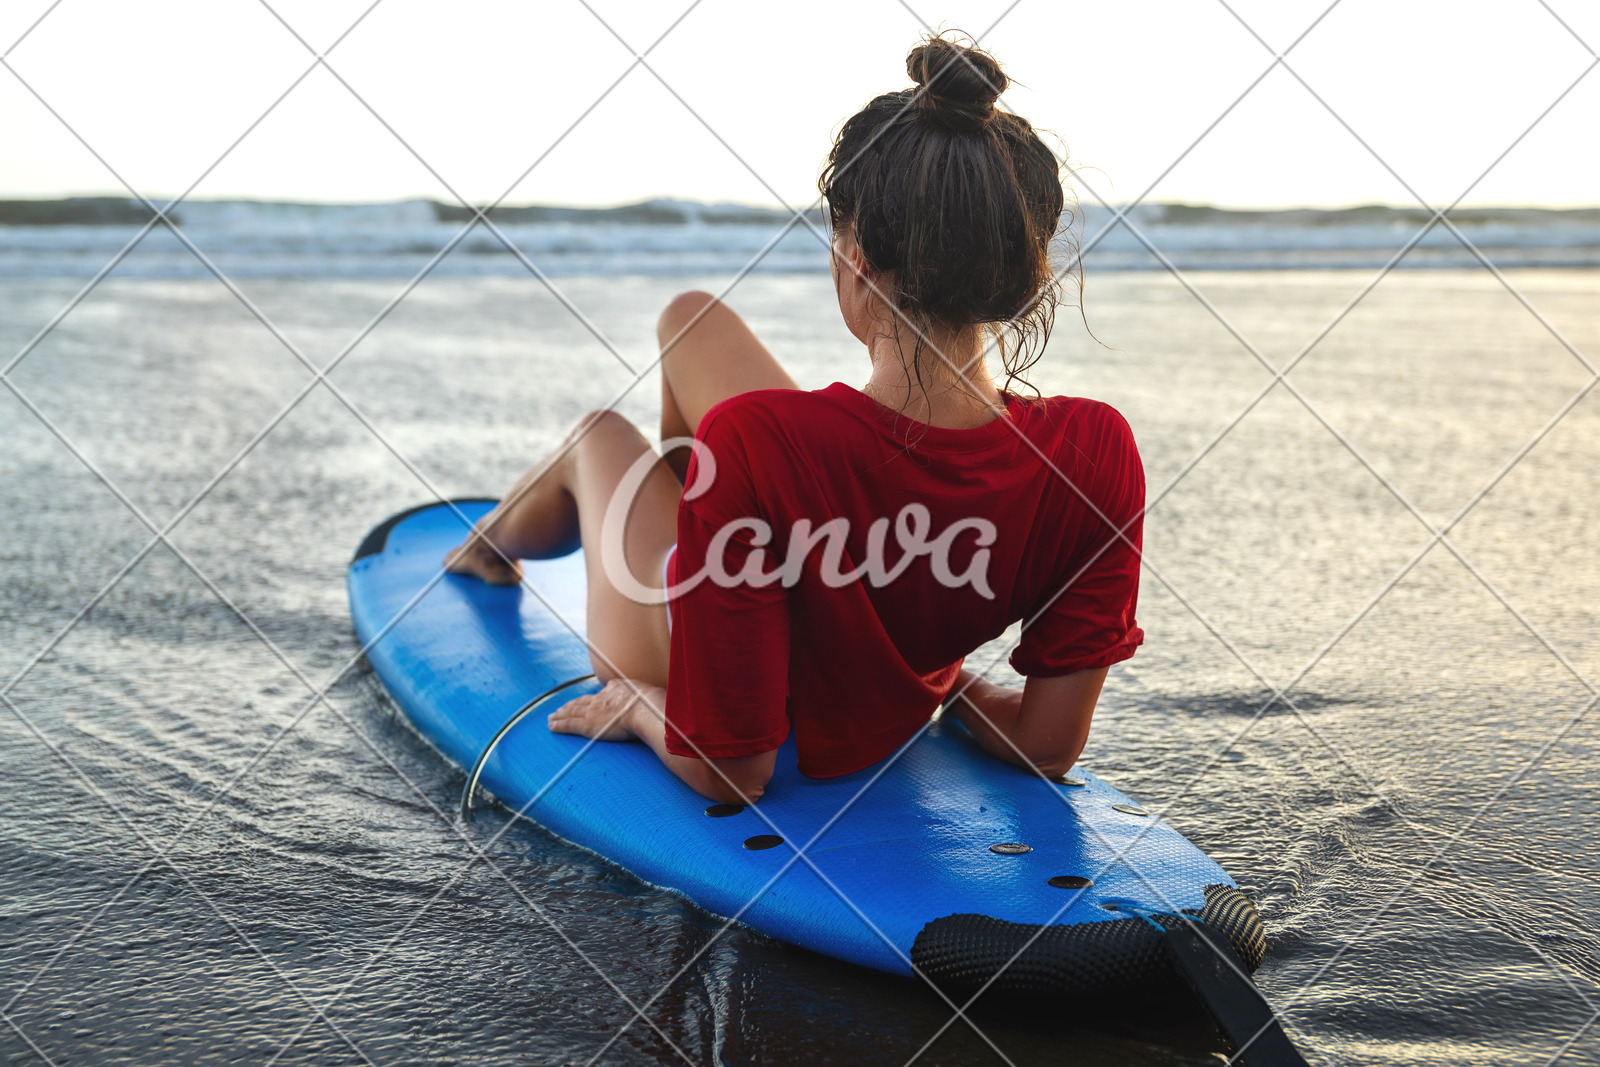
{"x": 1085, "y": 617}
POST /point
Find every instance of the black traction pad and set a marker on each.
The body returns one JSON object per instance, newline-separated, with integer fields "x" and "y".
{"x": 960, "y": 953}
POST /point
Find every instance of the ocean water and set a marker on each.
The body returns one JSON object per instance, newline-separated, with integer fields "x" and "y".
{"x": 248, "y": 239}
{"x": 1381, "y": 734}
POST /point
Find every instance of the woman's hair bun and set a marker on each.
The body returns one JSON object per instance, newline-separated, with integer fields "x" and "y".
{"x": 959, "y": 85}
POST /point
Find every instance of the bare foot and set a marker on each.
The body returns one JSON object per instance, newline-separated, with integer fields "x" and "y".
{"x": 478, "y": 559}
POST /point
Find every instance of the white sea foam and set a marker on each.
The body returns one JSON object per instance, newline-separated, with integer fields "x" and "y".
{"x": 254, "y": 239}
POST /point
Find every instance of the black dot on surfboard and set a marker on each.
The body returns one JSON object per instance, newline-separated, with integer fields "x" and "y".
{"x": 722, "y": 811}
{"x": 1129, "y": 809}
{"x": 761, "y": 841}
{"x": 1011, "y": 848}
{"x": 1070, "y": 881}
{"x": 1067, "y": 779}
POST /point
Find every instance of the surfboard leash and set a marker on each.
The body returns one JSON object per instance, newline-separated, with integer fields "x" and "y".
{"x": 468, "y": 793}
{"x": 1201, "y": 955}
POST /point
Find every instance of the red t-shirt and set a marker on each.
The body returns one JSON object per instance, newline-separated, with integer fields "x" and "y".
{"x": 857, "y": 666}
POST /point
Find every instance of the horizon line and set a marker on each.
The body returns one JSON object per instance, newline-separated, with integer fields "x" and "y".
{"x": 1282, "y": 206}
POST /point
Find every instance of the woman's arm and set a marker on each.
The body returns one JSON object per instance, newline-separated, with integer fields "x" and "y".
{"x": 1042, "y": 726}
{"x": 619, "y": 713}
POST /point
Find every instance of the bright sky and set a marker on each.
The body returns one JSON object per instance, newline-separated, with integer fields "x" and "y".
{"x": 481, "y": 89}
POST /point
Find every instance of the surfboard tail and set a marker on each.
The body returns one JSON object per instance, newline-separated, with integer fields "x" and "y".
{"x": 1212, "y": 950}
{"x": 964, "y": 954}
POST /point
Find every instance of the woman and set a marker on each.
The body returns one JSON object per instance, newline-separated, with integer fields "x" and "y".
{"x": 838, "y": 553}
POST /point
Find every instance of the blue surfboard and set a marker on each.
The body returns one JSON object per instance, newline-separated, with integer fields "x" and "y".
{"x": 942, "y": 861}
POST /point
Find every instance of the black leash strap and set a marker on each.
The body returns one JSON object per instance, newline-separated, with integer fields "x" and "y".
{"x": 1202, "y": 957}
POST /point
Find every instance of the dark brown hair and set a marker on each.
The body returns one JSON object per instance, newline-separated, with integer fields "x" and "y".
{"x": 959, "y": 199}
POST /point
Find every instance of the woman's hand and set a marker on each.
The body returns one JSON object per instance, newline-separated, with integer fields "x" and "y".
{"x": 611, "y": 714}
{"x": 636, "y": 711}
{"x": 1041, "y": 727}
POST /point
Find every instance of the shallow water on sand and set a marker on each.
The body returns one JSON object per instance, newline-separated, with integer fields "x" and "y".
{"x": 198, "y": 860}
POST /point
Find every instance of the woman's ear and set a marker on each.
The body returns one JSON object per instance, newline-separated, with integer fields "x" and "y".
{"x": 858, "y": 263}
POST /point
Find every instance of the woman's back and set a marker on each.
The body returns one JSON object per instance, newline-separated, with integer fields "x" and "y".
{"x": 853, "y": 547}
{"x": 883, "y": 552}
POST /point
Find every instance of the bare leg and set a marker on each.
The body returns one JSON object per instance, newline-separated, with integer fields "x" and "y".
{"x": 563, "y": 501}
{"x": 707, "y": 355}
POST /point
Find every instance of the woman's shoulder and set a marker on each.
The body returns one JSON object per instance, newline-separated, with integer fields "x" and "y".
{"x": 766, "y": 409}
{"x": 1080, "y": 419}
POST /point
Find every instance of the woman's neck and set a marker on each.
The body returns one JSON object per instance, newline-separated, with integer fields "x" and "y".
{"x": 954, "y": 391}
